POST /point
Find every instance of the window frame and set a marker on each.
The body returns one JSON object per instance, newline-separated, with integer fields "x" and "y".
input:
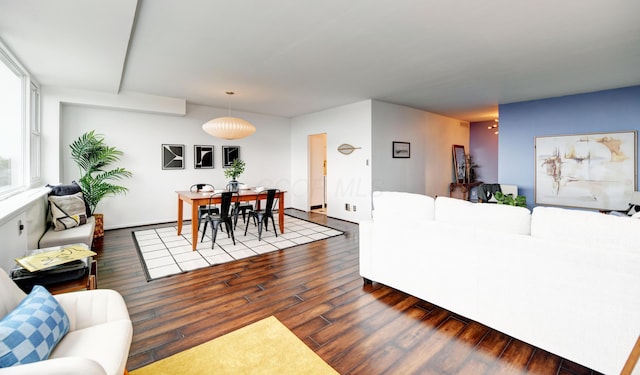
{"x": 30, "y": 126}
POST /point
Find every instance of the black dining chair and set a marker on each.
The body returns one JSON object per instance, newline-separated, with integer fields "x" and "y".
{"x": 203, "y": 211}
{"x": 262, "y": 216}
{"x": 223, "y": 217}
{"x": 239, "y": 207}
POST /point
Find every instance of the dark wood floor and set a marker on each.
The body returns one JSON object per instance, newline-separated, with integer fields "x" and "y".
{"x": 315, "y": 290}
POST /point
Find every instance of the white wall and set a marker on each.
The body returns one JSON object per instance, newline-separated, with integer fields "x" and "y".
{"x": 277, "y": 154}
{"x": 151, "y": 197}
{"x": 348, "y": 176}
{"x": 52, "y": 99}
{"x": 429, "y": 169}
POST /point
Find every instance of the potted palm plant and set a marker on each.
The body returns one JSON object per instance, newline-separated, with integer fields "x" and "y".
{"x": 233, "y": 172}
{"x": 93, "y": 156}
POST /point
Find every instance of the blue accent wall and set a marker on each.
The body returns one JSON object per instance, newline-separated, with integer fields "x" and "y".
{"x": 602, "y": 111}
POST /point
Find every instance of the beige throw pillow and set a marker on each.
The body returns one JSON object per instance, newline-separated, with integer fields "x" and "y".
{"x": 67, "y": 211}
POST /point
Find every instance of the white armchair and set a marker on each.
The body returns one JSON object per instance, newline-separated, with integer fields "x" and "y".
{"x": 99, "y": 337}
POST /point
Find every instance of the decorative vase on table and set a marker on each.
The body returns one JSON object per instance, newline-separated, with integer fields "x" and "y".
{"x": 234, "y": 186}
{"x": 233, "y": 172}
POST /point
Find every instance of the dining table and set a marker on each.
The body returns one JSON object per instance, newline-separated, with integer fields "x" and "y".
{"x": 204, "y": 198}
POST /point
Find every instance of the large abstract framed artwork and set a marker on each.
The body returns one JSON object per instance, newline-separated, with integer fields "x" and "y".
{"x": 596, "y": 170}
{"x": 202, "y": 156}
{"x": 172, "y": 156}
{"x": 459, "y": 163}
{"x": 229, "y": 154}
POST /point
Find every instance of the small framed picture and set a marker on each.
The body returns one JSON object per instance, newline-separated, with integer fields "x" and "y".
{"x": 202, "y": 156}
{"x": 172, "y": 156}
{"x": 229, "y": 154}
{"x": 401, "y": 149}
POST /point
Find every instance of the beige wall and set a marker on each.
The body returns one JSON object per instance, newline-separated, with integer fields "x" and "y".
{"x": 429, "y": 169}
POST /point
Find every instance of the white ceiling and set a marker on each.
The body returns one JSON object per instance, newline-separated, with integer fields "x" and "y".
{"x": 459, "y": 58}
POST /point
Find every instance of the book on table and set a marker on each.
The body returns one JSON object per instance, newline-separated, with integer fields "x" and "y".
{"x": 51, "y": 258}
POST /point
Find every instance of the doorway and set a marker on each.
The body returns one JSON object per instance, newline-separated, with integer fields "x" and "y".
{"x": 318, "y": 173}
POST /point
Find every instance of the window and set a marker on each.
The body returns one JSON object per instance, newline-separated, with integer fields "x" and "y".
{"x": 20, "y": 121}
{"x": 34, "y": 144}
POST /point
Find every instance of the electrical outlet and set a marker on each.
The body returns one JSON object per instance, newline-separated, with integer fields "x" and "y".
{"x": 354, "y": 208}
{"x": 347, "y": 206}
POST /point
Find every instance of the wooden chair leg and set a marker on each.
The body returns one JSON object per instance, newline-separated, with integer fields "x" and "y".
{"x": 632, "y": 361}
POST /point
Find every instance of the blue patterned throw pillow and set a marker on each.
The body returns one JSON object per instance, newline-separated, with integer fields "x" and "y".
{"x": 31, "y": 331}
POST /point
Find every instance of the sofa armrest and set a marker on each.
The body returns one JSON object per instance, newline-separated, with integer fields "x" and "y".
{"x": 92, "y": 307}
{"x": 57, "y": 366}
{"x": 365, "y": 236}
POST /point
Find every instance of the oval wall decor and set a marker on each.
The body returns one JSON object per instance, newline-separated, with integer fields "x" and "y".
{"x": 346, "y": 148}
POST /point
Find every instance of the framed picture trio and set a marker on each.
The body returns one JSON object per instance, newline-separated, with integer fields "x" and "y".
{"x": 174, "y": 156}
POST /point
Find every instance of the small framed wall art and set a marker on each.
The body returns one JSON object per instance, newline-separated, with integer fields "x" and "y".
{"x": 202, "y": 156}
{"x": 401, "y": 150}
{"x": 229, "y": 154}
{"x": 172, "y": 156}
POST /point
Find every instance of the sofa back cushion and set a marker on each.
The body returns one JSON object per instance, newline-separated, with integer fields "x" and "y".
{"x": 10, "y": 294}
{"x": 408, "y": 206}
{"x": 486, "y": 216}
{"x": 586, "y": 228}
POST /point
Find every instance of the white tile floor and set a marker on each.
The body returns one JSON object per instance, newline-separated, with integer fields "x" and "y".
{"x": 164, "y": 253}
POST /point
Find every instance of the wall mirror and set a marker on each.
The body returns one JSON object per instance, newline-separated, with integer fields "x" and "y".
{"x": 459, "y": 163}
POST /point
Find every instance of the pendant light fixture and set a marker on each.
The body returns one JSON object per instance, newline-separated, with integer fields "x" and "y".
{"x": 229, "y": 127}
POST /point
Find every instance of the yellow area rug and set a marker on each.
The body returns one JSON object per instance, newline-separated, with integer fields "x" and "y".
{"x": 264, "y": 347}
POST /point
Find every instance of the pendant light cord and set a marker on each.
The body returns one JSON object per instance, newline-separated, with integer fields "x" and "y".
{"x": 229, "y": 101}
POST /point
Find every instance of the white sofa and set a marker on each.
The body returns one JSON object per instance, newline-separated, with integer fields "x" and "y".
{"x": 567, "y": 281}
{"x": 99, "y": 336}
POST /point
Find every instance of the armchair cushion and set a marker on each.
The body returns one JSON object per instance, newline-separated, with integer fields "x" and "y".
{"x": 31, "y": 331}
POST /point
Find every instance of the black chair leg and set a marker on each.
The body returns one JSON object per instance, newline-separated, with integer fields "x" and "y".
{"x": 235, "y": 219}
{"x": 214, "y": 230}
{"x": 273, "y": 222}
{"x": 246, "y": 227}
{"x": 204, "y": 231}
{"x": 260, "y": 222}
{"x": 230, "y": 224}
